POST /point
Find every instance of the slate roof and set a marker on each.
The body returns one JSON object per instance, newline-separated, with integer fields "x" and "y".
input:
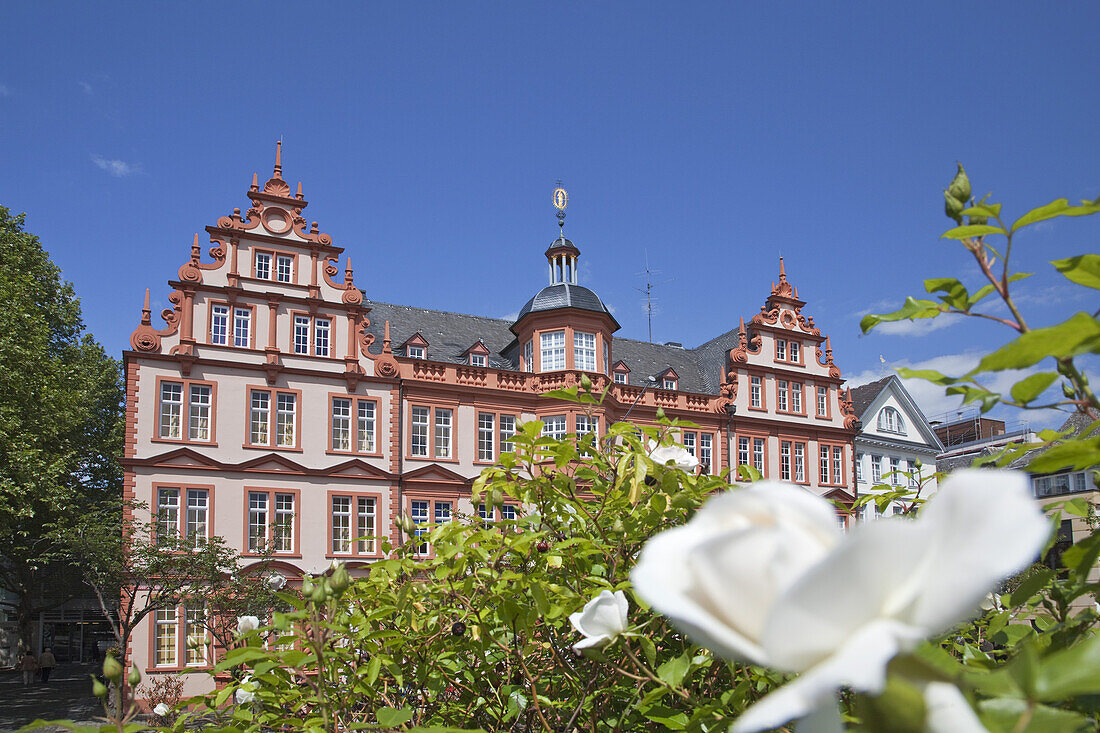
{"x": 449, "y": 335}
{"x": 564, "y": 295}
{"x": 1077, "y": 422}
{"x": 865, "y": 394}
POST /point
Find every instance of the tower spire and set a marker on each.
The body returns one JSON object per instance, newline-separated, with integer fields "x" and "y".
{"x": 562, "y": 255}
{"x": 561, "y": 200}
{"x": 278, "y": 173}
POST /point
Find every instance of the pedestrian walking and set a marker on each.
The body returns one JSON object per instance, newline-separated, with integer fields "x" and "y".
{"x": 46, "y": 663}
{"x": 28, "y": 664}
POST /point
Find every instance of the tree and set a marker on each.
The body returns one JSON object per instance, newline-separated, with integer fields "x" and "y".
{"x": 61, "y": 425}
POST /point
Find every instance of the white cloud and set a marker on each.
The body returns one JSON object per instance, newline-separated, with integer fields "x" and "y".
{"x": 86, "y": 87}
{"x": 919, "y": 327}
{"x": 510, "y": 316}
{"x": 117, "y": 168}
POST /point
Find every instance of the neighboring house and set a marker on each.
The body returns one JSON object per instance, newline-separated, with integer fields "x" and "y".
{"x": 894, "y": 438}
{"x": 280, "y": 407}
{"x": 968, "y": 435}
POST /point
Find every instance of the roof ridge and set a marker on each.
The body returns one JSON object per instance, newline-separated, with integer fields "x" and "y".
{"x": 436, "y": 310}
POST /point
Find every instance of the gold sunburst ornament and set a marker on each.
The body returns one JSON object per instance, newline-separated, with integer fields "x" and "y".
{"x": 561, "y": 198}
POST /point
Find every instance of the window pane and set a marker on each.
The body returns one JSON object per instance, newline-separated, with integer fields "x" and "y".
{"x": 301, "y": 334}
{"x": 442, "y": 433}
{"x": 263, "y": 265}
{"x": 442, "y": 512}
{"x": 284, "y": 522}
{"x": 796, "y": 397}
{"x": 197, "y": 500}
{"x": 418, "y": 511}
{"x": 321, "y": 329}
{"x": 365, "y": 527}
{"x": 418, "y": 445}
{"x": 485, "y": 436}
{"x": 554, "y": 426}
{"x": 168, "y": 514}
{"x": 785, "y": 460}
{"x": 260, "y": 418}
{"x": 799, "y": 462}
{"x": 242, "y": 327}
{"x": 219, "y": 325}
{"x": 365, "y": 427}
{"x": 705, "y": 452}
{"x": 341, "y": 423}
{"x": 199, "y": 422}
{"x": 171, "y": 410}
{"x": 823, "y": 401}
{"x": 286, "y": 406}
{"x": 552, "y": 351}
{"x": 781, "y": 395}
{"x": 507, "y": 430}
{"x": 341, "y": 523}
{"x": 584, "y": 351}
{"x": 257, "y": 520}
{"x": 758, "y": 454}
{"x": 166, "y": 633}
{"x": 195, "y": 634}
{"x": 754, "y": 391}
{"x": 838, "y": 464}
{"x": 285, "y": 268}
{"x": 824, "y": 467}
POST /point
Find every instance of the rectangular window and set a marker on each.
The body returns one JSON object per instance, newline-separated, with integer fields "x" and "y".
{"x": 341, "y": 424}
{"x": 743, "y": 451}
{"x": 365, "y": 524}
{"x": 242, "y": 327}
{"x": 486, "y": 435}
{"x": 859, "y": 467}
{"x": 758, "y": 454}
{"x": 689, "y": 443}
{"x": 364, "y": 427}
{"x": 442, "y": 512}
{"x": 198, "y": 504}
{"x": 825, "y": 465}
{"x": 442, "y": 433}
{"x": 586, "y": 425}
{"x": 341, "y": 524}
{"x": 507, "y": 432}
{"x": 754, "y": 392}
{"x": 796, "y": 397}
{"x": 781, "y": 395}
{"x": 528, "y": 356}
{"x": 257, "y": 520}
{"x": 706, "y": 452}
{"x": 418, "y": 511}
{"x": 795, "y": 352}
{"x": 195, "y": 635}
{"x": 284, "y": 522}
{"x": 876, "y": 469}
{"x": 822, "y": 401}
{"x": 321, "y": 329}
{"x": 485, "y": 516}
{"x": 301, "y": 334}
{"x": 606, "y": 364}
{"x": 508, "y": 513}
{"x": 171, "y": 410}
{"x": 552, "y": 352}
{"x": 219, "y": 325}
{"x": 415, "y": 352}
{"x": 166, "y": 635}
{"x": 263, "y": 265}
{"x": 780, "y": 350}
{"x": 895, "y": 468}
{"x": 478, "y": 360}
{"x": 838, "y": 465}
{"x": 914, "y": 475}
{"x": 199, "y": 412}
{"x": 668, "y": 383}
{"x": 168, "y": 514}
{"x": 584, "y": 351}
{"x": 785, "y": 460}
{"x": 554, "y": 426}
{"x": 419, "y": 436}
{"x": 259, "y": 420}
{"x": 620, "y": 378}
{"x": 286, "y": 410}
{"x": 799, "y": 462}
{"x": 284, "y": 268}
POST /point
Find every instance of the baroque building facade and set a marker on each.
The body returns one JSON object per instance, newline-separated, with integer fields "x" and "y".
{"x": 278, "y": 404}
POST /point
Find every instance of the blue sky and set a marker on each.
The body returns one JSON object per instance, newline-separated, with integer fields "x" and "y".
{"x": 712, "y": 137}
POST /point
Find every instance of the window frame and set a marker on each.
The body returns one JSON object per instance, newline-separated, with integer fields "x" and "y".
{"x": 272, "y": 419}
{"x": 273, "y": 265}
{"x": 564, "y": 422}
{"x": 890, "y": 414}
{"x": 269, "y": 535}
{"x": 182, "y": 490}
{"x": 792, "y": 444}
{"x": 789, "y": 346}
{"x": 832, "y": 479}
{"x": 431, "y": 447}
{"x": 211, "y": 305}
{"x": 232, "y": 325}
{"x": 353, "y": 425}
{"x": 828, "y": 414}
{"x": 761, "y": 393}
{"x": 312, "y": 333}
{"x": 185, "y": 410}
{"x": 180, "y": 636}
{"x": 432, "y": 500}
{"x": 353, "y": 545}
{"x": 553, "y": 349}
{"x": 499, "y": 417}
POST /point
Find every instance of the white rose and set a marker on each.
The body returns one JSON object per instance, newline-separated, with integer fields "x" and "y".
{"x": 162, "y": 710}
{"x": 246, "y": 624}
{"x": 677, "y": 454}
{"x": 246, "y": 692}
{"x": 764, "y": 574}
{"x": 276, "y": 581}
{"x": 601, "y": 620}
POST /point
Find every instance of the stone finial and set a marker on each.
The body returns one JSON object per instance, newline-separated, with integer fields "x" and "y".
{"x": 146, "y": 314}
{"x": 278, "y": 172}
{"x": 255, "y": 183}
{"x": 385, "y": 336}
{"x": 299, "y": 195}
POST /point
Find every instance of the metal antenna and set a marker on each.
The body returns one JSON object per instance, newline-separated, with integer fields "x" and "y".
{"x": 648, "y": 291}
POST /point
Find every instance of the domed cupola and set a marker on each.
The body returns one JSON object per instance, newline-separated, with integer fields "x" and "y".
{"x": 564, "y": 313}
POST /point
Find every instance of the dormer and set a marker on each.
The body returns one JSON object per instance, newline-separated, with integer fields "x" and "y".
{"x": 668, "y": 379}
{"x": 477, "y": 355}
{"x": 415, "y": 347}
{"x": 620, "y": 373}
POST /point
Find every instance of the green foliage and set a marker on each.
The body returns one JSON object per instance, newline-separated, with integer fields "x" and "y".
{"x": 60, "y": 423}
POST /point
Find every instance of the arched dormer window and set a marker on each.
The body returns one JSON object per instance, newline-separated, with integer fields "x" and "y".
{"x": 890, "y": 421}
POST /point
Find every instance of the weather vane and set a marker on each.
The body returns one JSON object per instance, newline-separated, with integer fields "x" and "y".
{"x": 561, "y": 200}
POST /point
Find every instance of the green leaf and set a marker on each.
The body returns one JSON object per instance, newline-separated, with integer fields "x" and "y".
{"x": 674, "y": 669}
{"x": 971, "y": 230}
{"x": 1031, "y": 585}
{"x": 649, "y": 651}
{"x": 373, "y": 669}
{"x": 991, "y": 211}
{"x": 1082, "y": 269}
{"x": 1073, "y": 455}
{"x": 1078, "y": 335}
{"x": 1082, "y": 555}
{"x": 912, "y": 309}
{"x": 929, "y": 375}
{"x": 1070, "y": 672}
{"x": 1029, "y": 388}
{"x": 393, "y": 717}
{"x": 1058, "y": 207}
{"x": 1003, "y": 715}
{"x": 667, "y": 717}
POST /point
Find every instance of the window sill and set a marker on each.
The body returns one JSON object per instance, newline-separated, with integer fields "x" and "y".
{"x": 274, "y": 555}
{"x": 204, "y": 668}
{"x": 428, "y": 459}
{"x": 352, "y": 454}
{"x": 249, "y": 446}
{"x": 347, "y": 556}
{"x": 183, "y": 441}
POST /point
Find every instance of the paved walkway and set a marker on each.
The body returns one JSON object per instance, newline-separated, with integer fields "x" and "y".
{"x": 67, "y": 696}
